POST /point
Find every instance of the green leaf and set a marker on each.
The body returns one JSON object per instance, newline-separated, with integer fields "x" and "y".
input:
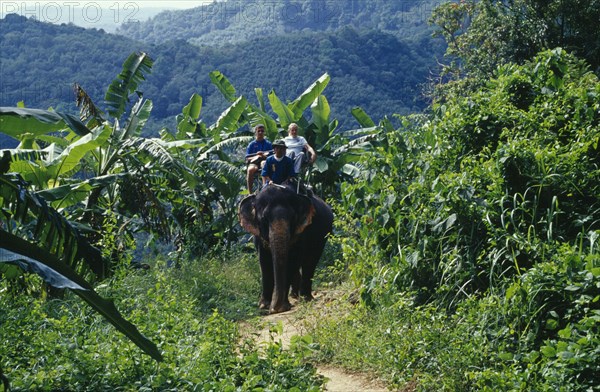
{"x": 505, "y": 356}
{"x": 320, "y": 117}
{"x": 188, "y": 120}
{"x": 351, "y": 170}
{"x": 133, "y": 73}
{"x": 194, "y": 107}
{"x": 551, "y": 324}
{"x": 285, "y": 115}
{"x": 565, "y": 333}
{"x": 300, "y": 104}
{"x": 223, "y": 85}
{"x": 74, "y": 153}
{"x": 362, "y": 117}
{"x": 565, "y": 355}
{"x": 229, "y": 119}
{"x": 548, "y": 351}
{"x": 25, "y": 207}
{"x": 261, "y": 98}
{"x": 321, "y": 165}
{"x": 49, "y": 275}
{"x": 140, "y": 113}
{"x": 70, "y": 194}
{"x": 16, "y": 122}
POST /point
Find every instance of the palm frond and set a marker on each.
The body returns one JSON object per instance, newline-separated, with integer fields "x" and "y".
{"x": 237, "y": 143}
{"x": 52, "y": 231}
{"x": 226, "y": 170}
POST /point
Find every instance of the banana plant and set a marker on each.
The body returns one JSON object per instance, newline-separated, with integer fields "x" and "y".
{"x": 336, "y": 150}
{"x": 52, "y": 256}
{"x": 212, "y": 176}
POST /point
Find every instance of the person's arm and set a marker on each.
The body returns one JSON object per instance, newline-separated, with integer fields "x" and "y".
{"x": 258, "y": 156}
{"x": 249, "y": 153}
{"x": 266, "y": 174}
{"x": 311, "y": 152}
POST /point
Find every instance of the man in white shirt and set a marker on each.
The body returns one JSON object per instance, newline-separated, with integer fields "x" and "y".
{"x": 298, "y": 148}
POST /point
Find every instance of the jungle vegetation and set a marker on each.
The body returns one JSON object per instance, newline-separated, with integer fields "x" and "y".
{"x": 465, "y": 255}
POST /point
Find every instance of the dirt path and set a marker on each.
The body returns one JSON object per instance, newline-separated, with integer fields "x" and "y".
{"x": 339, "y": 379}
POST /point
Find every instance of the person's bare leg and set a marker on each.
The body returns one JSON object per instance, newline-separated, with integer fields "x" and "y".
{"x": 250, "y": 173}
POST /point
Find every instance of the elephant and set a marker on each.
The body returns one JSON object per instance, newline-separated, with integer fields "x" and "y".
{"x": 290, "y": 232}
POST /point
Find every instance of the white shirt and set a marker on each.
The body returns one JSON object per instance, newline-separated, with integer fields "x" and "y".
{"x": 295, "y": 144}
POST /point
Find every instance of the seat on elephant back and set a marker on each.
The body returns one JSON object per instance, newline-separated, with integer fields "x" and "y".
{"x": 300, "y": 187}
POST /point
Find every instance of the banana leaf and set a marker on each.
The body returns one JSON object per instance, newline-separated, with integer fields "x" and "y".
{"x": 229, "y": 119}
{"x": 71, "y": 156}
{"x": 16, "y": 122}
{"x": 71, "y": 194}
{"x": 320, "y": 117}
{"x": 285, "y": 114}
{"x": 300, "y": 104}
{"x": 140, "y": 113}
{"x": 362, "y": 117}
{"x": 187, "y": 121}
{"x": 51, "y": 229}
{"x": 224, "y": 85}
{"x": 132, "y": 74}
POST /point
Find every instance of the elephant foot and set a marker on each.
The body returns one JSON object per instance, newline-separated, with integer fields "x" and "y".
{"x": 307, "y": 297}
{"x": 263, "y": 304}
{"x": 280, "y": 309}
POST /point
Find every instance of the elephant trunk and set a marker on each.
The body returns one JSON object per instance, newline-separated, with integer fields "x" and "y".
{"x": 279, "y": 240}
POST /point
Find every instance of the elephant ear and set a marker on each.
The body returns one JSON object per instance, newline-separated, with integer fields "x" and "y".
{"x": 247, "y": 215}
{"x": 306, "y": 213}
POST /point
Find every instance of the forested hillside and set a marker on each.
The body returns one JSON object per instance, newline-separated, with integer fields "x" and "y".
{"x": 371, "y": 69}
{"x": 226, "y": 22}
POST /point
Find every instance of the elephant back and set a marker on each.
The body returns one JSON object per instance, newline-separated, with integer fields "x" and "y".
{"x": 323, "y": 218}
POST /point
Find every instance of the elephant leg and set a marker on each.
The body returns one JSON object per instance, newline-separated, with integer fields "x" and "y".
{"x": 294, "y": 272}
{"x": 267, "y": 277}
{"x": 296, "y": 279}
{"x": 309, "y": 265}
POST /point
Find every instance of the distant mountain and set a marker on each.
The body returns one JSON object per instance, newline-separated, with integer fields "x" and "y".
{"x": 370, "y": 68}
{"x": 234, "y": 21}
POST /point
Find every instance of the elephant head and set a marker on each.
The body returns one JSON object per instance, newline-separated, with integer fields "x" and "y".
{"x": 277, "y": 217}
